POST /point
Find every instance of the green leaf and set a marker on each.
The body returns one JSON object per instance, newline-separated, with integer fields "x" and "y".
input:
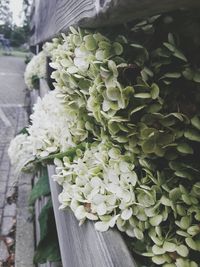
{"x": 104, "y": 45}
{"x": 175, "y": 194}
{"x": 169, "y": 46}
{"x": 182, "y": 233}
{"x": 118, "y": 48}
{"x": 113, "y": 93}
{"x": 192, "y": 135}
{"x": 137, "y": 109}
{"x": 166, "y": 201}
{"x": 90, "y": 42}
{"x": 191, "y": 243}
{"x": 156, "y": 220}
{"x": 183, "y": 174}
{"x": 196, "y": 122}
{"x": 185, "y": 222}
{"x": 193, "y": 230}
{"x": 43, "y": 219}
{"x": 47, "y": 250}
{"x": 143, "y": 95}
{"x": 41, "y": 188}
{"x": 137, "y": 46}
{"x": 73, "y": 30}
{"x": 150, "y": 145}
{"x": 171, "y": 38}
{"x": 158, "y": 250}
{"x": 154, "y": 91}
{"x": 158, "y": 260}
{"x": 23, "y": 131}
{"x": 188, "y": 74}
{"x": 182, "y": 250}
{"x": 169, "y": 246}
{"x": 173, "y": 75}
{"x": 186, "y": 198}
{"x": 48, "y": 247}
{"x": 196, "y": 77}
{"x": 185, "y": 148}
{"x": 180, "y": 55}
{"x": 138, "y": 233}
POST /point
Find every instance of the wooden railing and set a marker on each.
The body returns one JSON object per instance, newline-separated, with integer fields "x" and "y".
{"x": 52, "y": 17}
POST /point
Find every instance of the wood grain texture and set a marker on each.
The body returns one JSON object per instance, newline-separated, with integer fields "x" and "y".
{"x": 55, "y": 16}
{"x": 83, "y": 245}
{"x": 52, "y": 17}
{"x": 41, "y": 202}
{"x": 44, "y": 88}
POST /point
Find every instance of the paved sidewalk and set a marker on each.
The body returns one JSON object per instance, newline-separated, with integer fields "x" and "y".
{"x": 13, "y": 118}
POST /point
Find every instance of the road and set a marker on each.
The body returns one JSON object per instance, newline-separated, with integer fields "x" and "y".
{"x": 13, "y": 118}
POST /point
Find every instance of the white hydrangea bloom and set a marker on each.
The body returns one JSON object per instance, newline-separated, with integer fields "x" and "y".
{"x": 49, "y": 47}
{"x": 20, "y": 151}
{"x": 99, "y": 185}
{"x": 52, "y": 128}
{"x": 35, "y": 69}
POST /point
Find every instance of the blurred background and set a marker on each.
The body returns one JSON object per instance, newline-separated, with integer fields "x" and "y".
{"x": 14, "y": 27}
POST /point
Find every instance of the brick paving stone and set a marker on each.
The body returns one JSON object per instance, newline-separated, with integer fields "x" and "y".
{"x": 7, "y": 225}
{"x": 3, "y": 176}
{"x": 12, "y": 180}
{"x": 12, "y": 97}
{"x": 3, "y": 252}
{"x": 4, "y": 165}
{"x": 3, "y": 185}
{"x": 10, "y": 210}
{"x": 10, "y": 191}
{"x": 1, "y": 214}
{"x": 2, "y": 200}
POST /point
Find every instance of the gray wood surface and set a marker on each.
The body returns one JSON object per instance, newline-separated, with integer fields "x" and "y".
{"x": 83, "y": 246}
{"x": 44, "y": 88}
{"x": 24, "y": 245}
{"x": 40, "y": 203}
{"x": 55, "y": 16}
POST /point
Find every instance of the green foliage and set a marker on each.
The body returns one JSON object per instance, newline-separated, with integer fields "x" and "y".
{"x": 48, "y": 248}
{"x": 41, "y": 188}
{"x": 23, "y": 131}
{"x": 35, "y": 81}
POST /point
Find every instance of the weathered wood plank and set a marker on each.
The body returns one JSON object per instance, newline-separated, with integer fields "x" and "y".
{"x": 40, "y": 203}
{"x": 83, "y": 245}
{"x": 33, "y": 97}
{"x": 44, "y": 88}
{"x": 52, "y": 17}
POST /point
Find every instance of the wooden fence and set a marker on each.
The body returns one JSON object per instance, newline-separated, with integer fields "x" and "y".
{"x": 49, "y": 18}
{"x": 83, "y": 246}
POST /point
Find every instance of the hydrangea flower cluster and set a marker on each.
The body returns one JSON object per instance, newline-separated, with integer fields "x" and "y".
{"x": 87, "y": 68}
{"x": 20, "y": 151}
{"x": 139, "y": 169}
{"x": 35, "y": 70}
{"x": 98, "y": 184}
{"x": 138, "y": 117}
{"x": 104, "y": 185}
{"x": 54, "y": 126}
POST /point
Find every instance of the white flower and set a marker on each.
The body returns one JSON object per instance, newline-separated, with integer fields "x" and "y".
{"x": 35, "y": 69}
{"x": 95, "y": 182}
{"x": 52, "y": 126}
{"x": 20, "y": 152}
